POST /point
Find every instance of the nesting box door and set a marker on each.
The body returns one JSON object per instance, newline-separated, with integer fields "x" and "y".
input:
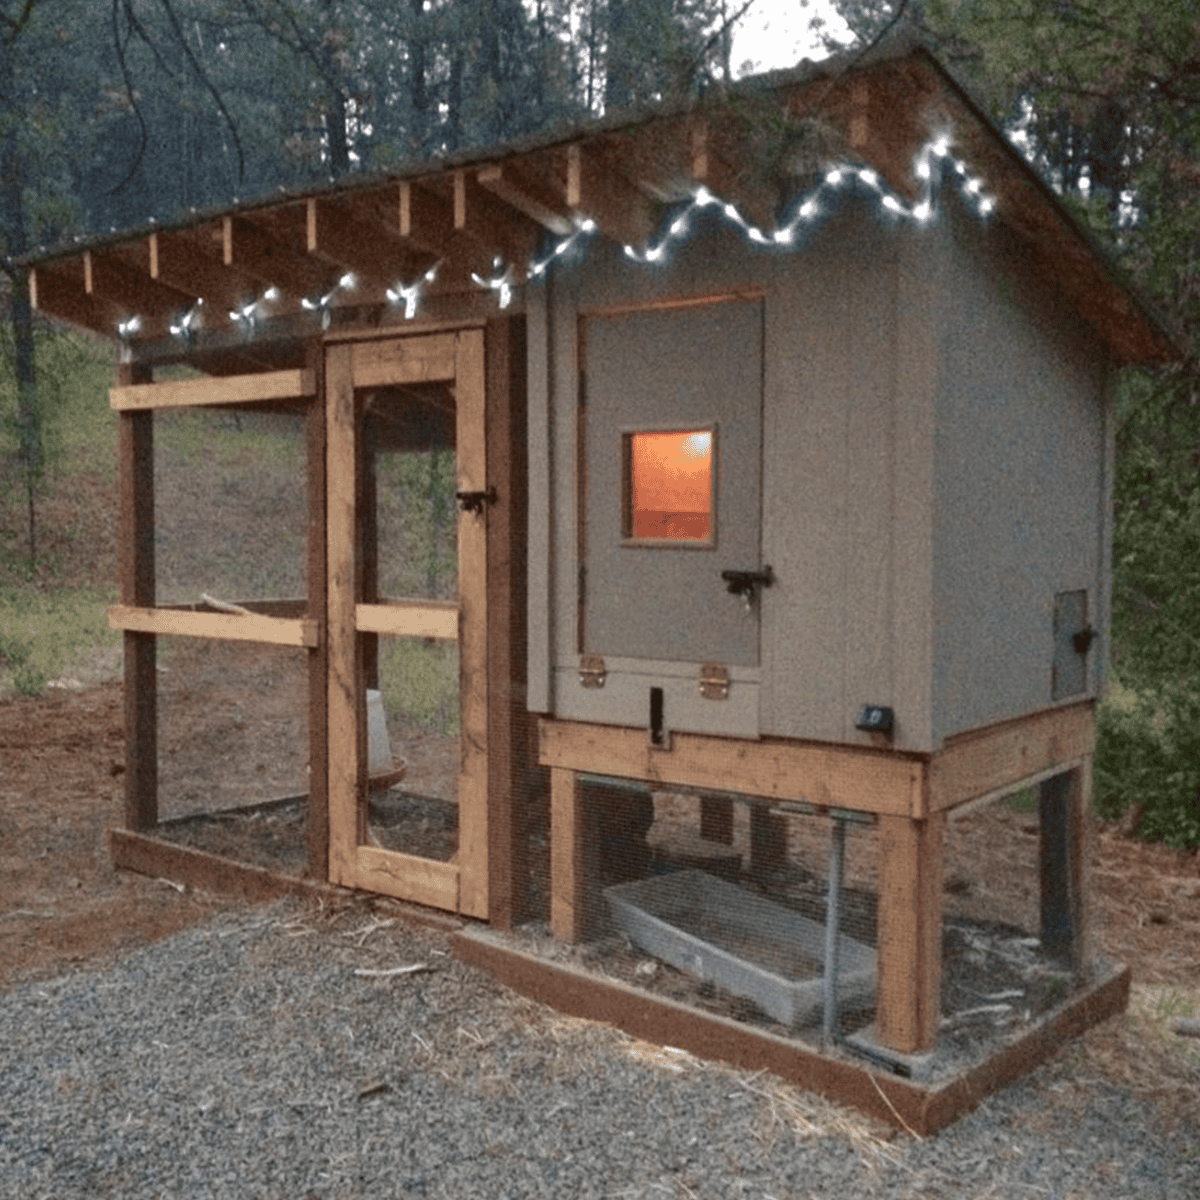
{"x": 671, "y": 503}
{"x": 407, "y": 530}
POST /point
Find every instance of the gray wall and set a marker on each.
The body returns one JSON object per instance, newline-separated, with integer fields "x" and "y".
{"x": 933, "y": 472}
{"x": 1020, "y": 489}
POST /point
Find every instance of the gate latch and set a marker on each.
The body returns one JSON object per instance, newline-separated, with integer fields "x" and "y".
{"x": 473, "y": 502}
{"x": 746, "y": 583}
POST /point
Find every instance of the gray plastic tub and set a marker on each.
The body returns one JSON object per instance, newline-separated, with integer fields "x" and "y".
{"x": 741, "y": 942}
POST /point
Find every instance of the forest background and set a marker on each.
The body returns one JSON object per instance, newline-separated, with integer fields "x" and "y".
{"x": 115, "y": 112}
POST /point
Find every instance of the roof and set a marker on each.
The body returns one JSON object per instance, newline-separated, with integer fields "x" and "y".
{"x": 238, "y": 289}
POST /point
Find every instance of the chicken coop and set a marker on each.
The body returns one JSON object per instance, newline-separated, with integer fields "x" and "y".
{"x": 677, "y": 544}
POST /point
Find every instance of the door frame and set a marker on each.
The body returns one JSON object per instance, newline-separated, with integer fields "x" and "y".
{"x": 458, "y": 357}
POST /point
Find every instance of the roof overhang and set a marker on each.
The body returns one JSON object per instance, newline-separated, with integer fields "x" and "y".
{"x": 240, "y": 289}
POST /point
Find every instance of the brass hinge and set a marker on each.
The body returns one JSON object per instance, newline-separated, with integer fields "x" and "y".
{"x": 592, "y": 671}
{"x": 714, "y": 681}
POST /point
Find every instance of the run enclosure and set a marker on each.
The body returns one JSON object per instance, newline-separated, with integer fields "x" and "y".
{"x": 868, "y": 574}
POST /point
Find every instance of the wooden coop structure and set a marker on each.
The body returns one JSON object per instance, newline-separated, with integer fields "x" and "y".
{"x": 876, "y": 581}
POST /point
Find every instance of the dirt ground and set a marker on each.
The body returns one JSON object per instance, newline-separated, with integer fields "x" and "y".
{"x": 64, "y": 908}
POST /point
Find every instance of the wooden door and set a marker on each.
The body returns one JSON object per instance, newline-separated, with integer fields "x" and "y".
{"x": 407, "y": 588}
{"x": 687, "y": 382}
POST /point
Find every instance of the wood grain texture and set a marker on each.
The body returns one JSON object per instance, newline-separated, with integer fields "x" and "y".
{"x": 568, "y": 882}
{"x": 227, "y": 389}
{"x": 410, "y": 618}
{"x": 909, "y": 951}
{"x": 135, "y": 485}
{"x": 317, "y": 812}
{"x": 345, "y": 766}
{"x": 238, "y": 627}
{"x": 1006, "y": 755}
{"x": 837, "y": 777}
{"x": 471, "y": 462}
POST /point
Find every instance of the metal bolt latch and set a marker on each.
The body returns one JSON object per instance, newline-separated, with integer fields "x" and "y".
{"x": 473, "y": 502}
{"x": 746, "y": 583}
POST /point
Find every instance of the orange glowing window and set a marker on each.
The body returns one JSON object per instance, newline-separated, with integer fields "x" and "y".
{"x": 668, "y": 485}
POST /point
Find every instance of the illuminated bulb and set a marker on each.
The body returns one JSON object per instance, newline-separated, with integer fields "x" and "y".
{"x": 587, "y": 225}
{"x": 630, "y": 252}
{"x": 923, "y": 211}
{"x": 784, "y": 236}
{"x": 311, "y": 305}
{"x": 986, "y": 205}
{"x": 893, "y": 205}
{"x": 869, "y": 177}
{"x": 271, "y": 294}
{"x": 704, "y": 196}
{"x": 834, "y": 178}
{"x": 347, "y": 280}
{"x": 924, "y": 170}
{"x": 679, "y": 225}
{"x": 940, "y": 145}
{"x": 757, "y": 235}
{"x": 505, "y": 293}
{"x": 656, "y": 253}
{"x": 972, "y": 186}
{"x": 809, "y": 209}
{"x": 733, "y": 214}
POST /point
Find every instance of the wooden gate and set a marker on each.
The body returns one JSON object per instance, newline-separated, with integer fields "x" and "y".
{"x": 388, "y": 395}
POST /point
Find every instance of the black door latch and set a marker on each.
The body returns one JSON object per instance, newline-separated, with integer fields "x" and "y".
{"x": 473, "y": 502}
{"x": 743, "y": 583}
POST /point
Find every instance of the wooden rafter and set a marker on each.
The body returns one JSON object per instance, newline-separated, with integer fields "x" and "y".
{"x": 181, "y": 262}
{"x": 342, "y": 237}
{"x": 528, "y": 196}
{"x": 271, "y": 261}
{"x": 597, "y": 190}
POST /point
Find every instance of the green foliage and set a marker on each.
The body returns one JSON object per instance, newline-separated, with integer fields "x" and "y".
{"x": 1148, "y": 762}
{"x": 43, "y": 633}
{"x": 419, "y": 681}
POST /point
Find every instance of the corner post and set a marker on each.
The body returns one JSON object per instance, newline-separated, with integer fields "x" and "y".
{"x": 317, "y": 831}
{"x": 135, "y": 482}
{"x": 1062, "y": 812}
{"x": 909, "y": 951}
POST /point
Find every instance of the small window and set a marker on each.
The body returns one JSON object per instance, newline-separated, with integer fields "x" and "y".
{"x": 667, "y": 492}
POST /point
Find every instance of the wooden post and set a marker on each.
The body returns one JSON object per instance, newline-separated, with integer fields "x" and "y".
{"x": 135, "y": 471}
{"x": 511, "y": 751}
{"x": 1062, "y": 810}
{"x": 568, "y": 857}
{"x": 909, "y": 950}
{"x": 768, "y": 840}
{"x": 317, "y": 832}
{"x": 716, "y": 819}
{"x": 345, "y": 737}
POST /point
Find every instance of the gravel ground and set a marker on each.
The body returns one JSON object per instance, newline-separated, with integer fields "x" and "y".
{"x": 246, "y": 1058}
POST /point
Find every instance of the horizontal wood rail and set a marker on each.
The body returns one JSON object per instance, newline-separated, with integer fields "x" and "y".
{"x": 238, "y": 627}
{"x": 1016, "y": 753}
{"x": 836, "y": 777}
{"x": 410, "y": 618}
{"x": 199, "y": 393}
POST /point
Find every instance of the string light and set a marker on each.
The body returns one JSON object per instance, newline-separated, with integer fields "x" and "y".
{"x": 325, "y": 302}
{"x": 501, "y": 282}
{"x": 410, "y": 293}
{"x": 931, "y": 166}
{"x": 190, "y": 321}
